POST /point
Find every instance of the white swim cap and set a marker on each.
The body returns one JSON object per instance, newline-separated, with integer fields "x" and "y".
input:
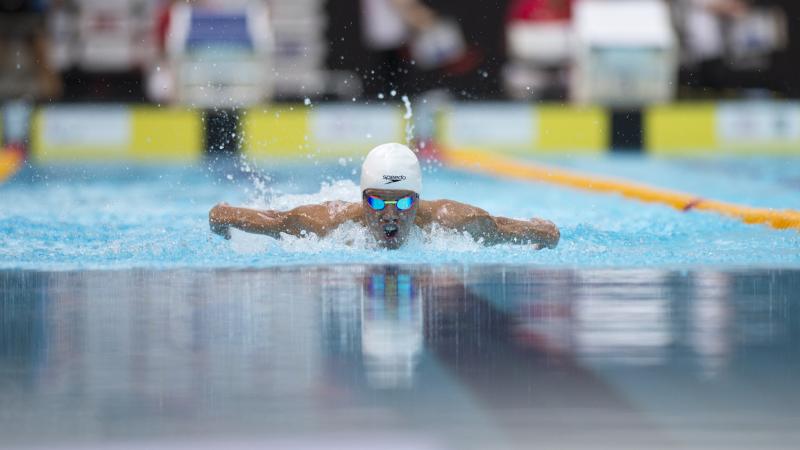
{"x": 391, "y": 166}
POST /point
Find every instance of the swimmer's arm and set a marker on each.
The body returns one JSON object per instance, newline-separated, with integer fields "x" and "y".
{"x": 318, "y": 219}
{"x": 223, "y": 216}
{"x": 482, "y": 225}
{"x": 539, "y": 232}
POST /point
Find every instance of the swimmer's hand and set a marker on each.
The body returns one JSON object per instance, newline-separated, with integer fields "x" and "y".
{"x": 217, "y": 220}
{"x": 546, "y": 232}
{"x": 538, "y": 233}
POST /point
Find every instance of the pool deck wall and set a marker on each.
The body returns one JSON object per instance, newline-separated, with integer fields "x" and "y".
{"x": 139, "y": 133}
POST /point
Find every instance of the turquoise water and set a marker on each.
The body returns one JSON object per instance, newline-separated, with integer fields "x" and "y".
{"x": 101, "y": 217}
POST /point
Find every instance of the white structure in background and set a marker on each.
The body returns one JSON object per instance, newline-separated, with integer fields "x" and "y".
{"x": 626, "y": 53}
{"x": 539, "y": 54}
{"x": 221, "y": 56}
{"x": 300, "y": 47}
{"x": 101, "y": 35}
{"x": 286, "y": 38}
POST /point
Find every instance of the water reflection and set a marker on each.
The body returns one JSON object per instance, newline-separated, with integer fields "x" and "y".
{"x": 391, "y": 328}
{"x": 449, "y": 351}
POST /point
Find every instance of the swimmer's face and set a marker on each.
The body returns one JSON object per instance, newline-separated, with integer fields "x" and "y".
{"x": 390, "y": 225}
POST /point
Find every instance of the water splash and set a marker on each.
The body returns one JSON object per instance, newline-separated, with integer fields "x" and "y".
{"x": 338, "y": 190}
{"x": 408, "y": 116}
{"x": 260, "y": 182}
{"x": 350, "y": 237}
{"x": 101, "y": 218}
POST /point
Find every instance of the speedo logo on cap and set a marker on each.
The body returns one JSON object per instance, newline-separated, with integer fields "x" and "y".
{"x": 393, "y": 178}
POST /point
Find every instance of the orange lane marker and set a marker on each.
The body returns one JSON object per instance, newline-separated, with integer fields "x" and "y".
{"x": 10, "y": 162}
{"x": 483, "y": 162}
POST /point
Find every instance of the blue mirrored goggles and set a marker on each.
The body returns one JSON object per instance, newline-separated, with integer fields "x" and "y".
{"x": 379, "y": 204}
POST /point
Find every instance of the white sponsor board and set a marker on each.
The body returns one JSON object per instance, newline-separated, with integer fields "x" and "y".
{"x": 338, "y": 125}
{"x": 493, "y": 125}
{"x": 108, "y": 127}
{"x": 758, "y": 123}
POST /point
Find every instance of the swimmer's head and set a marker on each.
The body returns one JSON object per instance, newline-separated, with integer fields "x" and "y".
{"x": 391, "y": 166}
{"x": 391, "y": 181}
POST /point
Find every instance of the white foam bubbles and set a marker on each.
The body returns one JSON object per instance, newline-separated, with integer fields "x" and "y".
{"x": 350, "y": 238}
{"x": 250, "y": 244}
{"x": 339, "y": 190}
{"x": 439, "y": 239}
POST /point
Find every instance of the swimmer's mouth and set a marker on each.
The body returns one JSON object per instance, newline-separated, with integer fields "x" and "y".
{"x": 390, "y": 231}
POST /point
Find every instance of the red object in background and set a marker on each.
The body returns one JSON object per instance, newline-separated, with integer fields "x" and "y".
{"x": 428, "y": 150}
{"x": 540, "y": 10}
{"x": 163, "y": 18}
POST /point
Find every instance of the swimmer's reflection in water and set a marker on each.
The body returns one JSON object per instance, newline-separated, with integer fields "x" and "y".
{"x": 391, "y": 181}
{"x": 391, "y": 328}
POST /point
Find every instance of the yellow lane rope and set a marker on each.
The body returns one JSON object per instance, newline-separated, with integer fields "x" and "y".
{"x": 10, "y": 162}
{"x": 483, "y": 162}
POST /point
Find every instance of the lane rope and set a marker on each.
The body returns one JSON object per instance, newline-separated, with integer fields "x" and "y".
{"x": 10, "y": 163}
{"x": 486, "y": 163}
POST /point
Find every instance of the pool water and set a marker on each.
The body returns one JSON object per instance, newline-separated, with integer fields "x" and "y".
{"x": 63, "y": 218}
{"x": 125, "y": 324}
{"x": 400, "y": 357}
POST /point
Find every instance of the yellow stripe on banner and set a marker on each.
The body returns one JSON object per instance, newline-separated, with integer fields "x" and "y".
{"x": 10, "y": 163}
{"x": 167, "y": 134}
{"x": 574, "y": 129}
{"x": 276, "y": 132}
{"x": 478, "y": 161}
{"x": 681, "y": 129}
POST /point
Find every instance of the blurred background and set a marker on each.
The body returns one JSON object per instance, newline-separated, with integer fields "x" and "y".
{"x": 124, "y": 323}
{"x": 622, "y": 55}
{"x": 731, "y": 60}
{"x": 288, "y": 50}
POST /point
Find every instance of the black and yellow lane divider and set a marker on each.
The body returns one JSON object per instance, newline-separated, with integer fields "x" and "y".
{"x": 487, "y": 163}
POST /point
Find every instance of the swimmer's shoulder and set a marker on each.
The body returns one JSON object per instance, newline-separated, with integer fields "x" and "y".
{"x": 342, "y": 211}
{"x": 321, "y": 218}
{"x": 445, "y": 207}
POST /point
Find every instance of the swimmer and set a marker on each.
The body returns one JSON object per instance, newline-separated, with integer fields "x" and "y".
{"x": 391, "y": 182}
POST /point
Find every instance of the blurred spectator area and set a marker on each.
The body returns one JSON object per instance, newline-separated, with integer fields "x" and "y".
{"x": 482, "y": 23}
{"x": 733, "y": 46}
{"x": 539, "y": 36}
{"x": 117, "y": 50}
{"x": 110, "y": 49}
{"x": 25, "y": 71}
{"x": 101, "y": 47}
{"x": 529, "y": 47}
